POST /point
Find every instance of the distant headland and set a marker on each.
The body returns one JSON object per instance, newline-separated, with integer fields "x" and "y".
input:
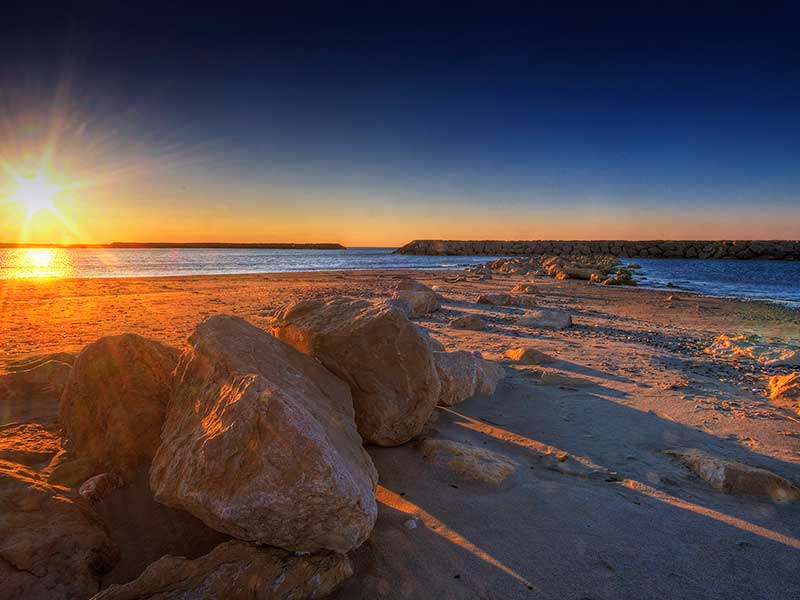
{"x": 741, "y": 249}
{"x": 182, "y": 245}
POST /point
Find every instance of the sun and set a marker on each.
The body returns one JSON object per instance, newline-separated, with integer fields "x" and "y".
{"x": 35, "y": 193}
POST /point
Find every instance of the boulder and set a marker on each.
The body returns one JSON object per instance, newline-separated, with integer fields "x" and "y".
{"x": 259, "y": 443}
{"x": 420, "y": 298}
{"x": 736, "y": 478}
{"x": 379, "y": 352}
{"x": 470, "y": 462}
{"x": 524, "y": 288}
{"x": 236, "y": 571}
{"x": 784, "y": 390}
{"x": 114, "y": 402}
{"x": 463, "y": 374}
{"x": 51, "y": 545}
{"x": 546, "y": 319}
{"x": 528, "y": 356}
{"x": 471, "y": 322}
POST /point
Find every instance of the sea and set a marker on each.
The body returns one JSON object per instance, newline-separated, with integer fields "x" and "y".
{"x": 776, "y": 281}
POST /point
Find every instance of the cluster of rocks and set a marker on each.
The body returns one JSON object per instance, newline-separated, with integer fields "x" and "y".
{"x": 256, "y": 435}
{"x": 739, "y": 249}
{"x": 600, "y": 268}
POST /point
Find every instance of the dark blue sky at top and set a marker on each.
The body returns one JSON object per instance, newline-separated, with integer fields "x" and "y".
{"x": 640, "y": 104}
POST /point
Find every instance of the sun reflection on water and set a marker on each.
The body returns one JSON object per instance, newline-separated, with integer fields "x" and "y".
{"x": 42, "y": 263}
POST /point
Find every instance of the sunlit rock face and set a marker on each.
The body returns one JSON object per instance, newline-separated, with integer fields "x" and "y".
{"x": 114, "y": 403}
{"x": 260, "y": 443}
{"x": 384, "y": 357}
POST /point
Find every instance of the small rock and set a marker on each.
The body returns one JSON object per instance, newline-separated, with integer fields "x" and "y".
{"x": 736, "y": 478}
{"x": 472, "y": 322}
{"x": 96, "y": 488}
{"x": 528, "y": 356}
{"x": 469, "y": 461}
{"x": 546, "y": 319}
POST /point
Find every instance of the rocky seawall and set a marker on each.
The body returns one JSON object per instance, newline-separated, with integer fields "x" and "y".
{"x": 741, "y": 249}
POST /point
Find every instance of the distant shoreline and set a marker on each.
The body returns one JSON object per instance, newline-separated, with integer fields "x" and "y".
{"x": 216, "y": 245}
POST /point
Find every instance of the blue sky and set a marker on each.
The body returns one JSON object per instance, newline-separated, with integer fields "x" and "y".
{"x": 642, "y": 121}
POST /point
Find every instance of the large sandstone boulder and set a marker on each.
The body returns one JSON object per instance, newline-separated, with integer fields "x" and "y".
{"x": 236, "y": 571}
{"x": 51, "y": 545}
{"x": 260, "y": 443}
{"x": 114, "y": 402}
{"x": 420, "y": 298}
{"x": 463, "y": 374}
{"x": 382, "y": 355}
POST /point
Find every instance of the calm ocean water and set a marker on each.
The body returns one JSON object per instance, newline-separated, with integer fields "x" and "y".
{"x": 777, "y": 281}
{"x": 765, "y": 280}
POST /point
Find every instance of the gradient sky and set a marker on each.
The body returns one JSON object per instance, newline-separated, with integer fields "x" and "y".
{"x": 375, "y": 126}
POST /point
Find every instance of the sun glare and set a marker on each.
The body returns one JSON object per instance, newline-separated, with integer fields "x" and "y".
{"x": 36, "y": 194}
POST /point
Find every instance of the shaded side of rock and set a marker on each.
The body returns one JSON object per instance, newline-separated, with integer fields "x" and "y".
{"x": 51, "y": 545}
{"x": 463, "y": 374}
{"x": 260, "y": 443}
{"x": 114, "y": 402}
{"x": 236, "y": 571}
{"x": 379, "y": 352}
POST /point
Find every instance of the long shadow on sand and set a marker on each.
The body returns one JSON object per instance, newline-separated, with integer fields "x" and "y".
{"x": 636, "y": 526}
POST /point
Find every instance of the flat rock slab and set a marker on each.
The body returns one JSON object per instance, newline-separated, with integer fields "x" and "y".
{"x": 470, "y": 462}
{"x": 236, "y": 571}
{"x": 736, "y": 478}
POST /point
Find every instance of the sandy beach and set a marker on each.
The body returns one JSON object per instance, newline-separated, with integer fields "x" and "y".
{"x": 594, "y": 507}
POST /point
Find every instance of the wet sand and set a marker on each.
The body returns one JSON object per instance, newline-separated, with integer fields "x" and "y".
{"x": 617, "y": 519}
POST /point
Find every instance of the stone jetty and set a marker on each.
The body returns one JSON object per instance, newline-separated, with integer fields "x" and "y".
{"x": 741, "y": 249}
